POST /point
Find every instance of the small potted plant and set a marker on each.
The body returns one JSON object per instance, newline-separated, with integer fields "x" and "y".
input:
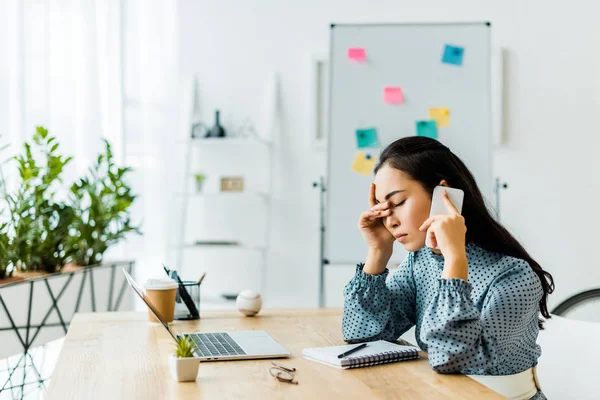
{"x": 183, "y": 364}
{"x": 199, "y": 178}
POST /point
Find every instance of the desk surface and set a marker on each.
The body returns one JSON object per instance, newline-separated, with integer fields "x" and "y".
{"x": 121, "y": 356}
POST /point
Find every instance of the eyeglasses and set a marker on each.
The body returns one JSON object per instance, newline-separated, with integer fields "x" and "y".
{"x": 282, "y": 373}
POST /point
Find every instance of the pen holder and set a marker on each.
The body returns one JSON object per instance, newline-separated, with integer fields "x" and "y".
{"x": 181, "y": 311}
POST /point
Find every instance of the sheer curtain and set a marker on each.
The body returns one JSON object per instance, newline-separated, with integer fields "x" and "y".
{"x": 63, "y": 71}
{"x": 153, "y": 124}
{"x": 88, "y": 70}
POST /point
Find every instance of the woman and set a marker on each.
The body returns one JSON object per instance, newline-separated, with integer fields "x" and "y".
{"x": 475, "y": 301}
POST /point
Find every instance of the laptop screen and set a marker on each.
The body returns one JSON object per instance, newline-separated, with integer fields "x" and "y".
{"x": 146, "y": 300}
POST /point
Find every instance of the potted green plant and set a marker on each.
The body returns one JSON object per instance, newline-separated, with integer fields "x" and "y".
{"x": 183, "y": 365}
{"x": 199, "y": 179}
{"x": 38, "y": 223}
{"x": 101, "y": 204}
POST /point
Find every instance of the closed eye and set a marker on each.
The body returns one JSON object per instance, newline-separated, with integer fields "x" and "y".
{"x": 399, "y": 204}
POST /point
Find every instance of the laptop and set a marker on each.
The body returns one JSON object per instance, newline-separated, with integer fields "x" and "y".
{"x": 221, "y": 346}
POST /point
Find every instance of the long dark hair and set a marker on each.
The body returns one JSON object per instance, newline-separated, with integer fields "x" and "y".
{"x": 428, "y": 162}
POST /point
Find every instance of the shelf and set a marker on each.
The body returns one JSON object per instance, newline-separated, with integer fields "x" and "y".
{"x": 216, "y": 303}
{"x": 262, "y": 195}
{"x": 223, "y": 246}
{"x": 229, "y": 141}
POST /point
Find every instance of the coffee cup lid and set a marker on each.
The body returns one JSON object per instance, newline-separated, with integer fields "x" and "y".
{"x": 160, "y": 284}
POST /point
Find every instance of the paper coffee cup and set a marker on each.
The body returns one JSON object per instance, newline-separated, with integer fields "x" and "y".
{"x": 161, "y": 293}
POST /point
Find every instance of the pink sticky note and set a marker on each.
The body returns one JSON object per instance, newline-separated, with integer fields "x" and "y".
{"x": 393, "y": 95}
{"x": 357, "y": 54}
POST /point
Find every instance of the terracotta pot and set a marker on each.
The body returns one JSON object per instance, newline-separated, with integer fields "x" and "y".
{"x": 71, "y": 268}
{"x": 11, "y": 279}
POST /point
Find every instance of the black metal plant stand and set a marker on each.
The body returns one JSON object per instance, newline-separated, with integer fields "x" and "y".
{"x": 25, "y": 360}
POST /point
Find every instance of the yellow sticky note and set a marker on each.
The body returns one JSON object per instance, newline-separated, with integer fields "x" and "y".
{"x": 441, "y": 115}
{"x": 363, "y": 163}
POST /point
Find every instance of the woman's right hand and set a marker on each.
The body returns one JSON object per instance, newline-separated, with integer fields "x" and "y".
{"x": 371, "y": 225}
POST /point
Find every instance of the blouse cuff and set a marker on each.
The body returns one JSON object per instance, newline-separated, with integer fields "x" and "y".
{"x": 364, "y": 278}
{"x": 456, "y": 285}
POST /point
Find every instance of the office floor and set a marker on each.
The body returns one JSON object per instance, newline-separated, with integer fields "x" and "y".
{"x": 45, "y": 358}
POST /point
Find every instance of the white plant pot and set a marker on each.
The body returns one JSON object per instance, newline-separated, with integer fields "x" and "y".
{"x": 199, "y": 186}
{"x": 183, "y": 369}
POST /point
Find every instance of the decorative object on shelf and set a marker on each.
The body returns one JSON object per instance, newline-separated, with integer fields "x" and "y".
{"x": 199, "y": 179}
{"x": 232, "y": 184}
{"x": 217, "y": 131}
{"x": 183, "y": 365}
{"x": 249, "y": 303}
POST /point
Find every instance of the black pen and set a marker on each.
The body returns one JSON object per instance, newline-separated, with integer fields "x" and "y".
{"x": 347, "y": 353}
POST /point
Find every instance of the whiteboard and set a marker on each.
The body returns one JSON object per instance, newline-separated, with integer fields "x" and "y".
{"x": 407, "y": 56}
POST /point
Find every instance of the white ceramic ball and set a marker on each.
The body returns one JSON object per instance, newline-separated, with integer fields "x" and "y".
{"x": 248, "y": 303}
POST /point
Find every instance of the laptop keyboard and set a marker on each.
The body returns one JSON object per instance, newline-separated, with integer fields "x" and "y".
{"x": 215, "y": 344}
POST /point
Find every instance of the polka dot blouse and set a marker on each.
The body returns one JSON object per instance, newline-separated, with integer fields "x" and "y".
{"x": 486, "y": 326}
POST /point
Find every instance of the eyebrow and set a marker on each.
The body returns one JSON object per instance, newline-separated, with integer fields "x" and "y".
{"x": 390, "y": 194}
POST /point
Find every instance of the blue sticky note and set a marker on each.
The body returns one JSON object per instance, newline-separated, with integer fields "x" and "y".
{"x": 367, "y": 138}
{"x": 453, "y": 55}
{"x": 427, "y": 129}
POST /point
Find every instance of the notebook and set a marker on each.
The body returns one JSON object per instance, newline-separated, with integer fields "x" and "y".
{"x": 378, "y": 352}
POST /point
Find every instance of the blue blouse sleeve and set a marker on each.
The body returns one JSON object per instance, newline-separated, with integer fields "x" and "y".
{"x": 374, "y": 309}
{"x": 462, "y": 339}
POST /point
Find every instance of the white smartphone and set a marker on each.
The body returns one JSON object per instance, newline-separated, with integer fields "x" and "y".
{"x": 439, "y": 207}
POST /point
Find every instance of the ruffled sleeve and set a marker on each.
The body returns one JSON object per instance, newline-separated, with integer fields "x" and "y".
{"x": 460, "y": 338}
{"x": 379, "y": 308}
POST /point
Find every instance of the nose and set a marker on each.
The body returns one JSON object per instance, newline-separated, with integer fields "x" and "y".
{"x": 391, "y": 221}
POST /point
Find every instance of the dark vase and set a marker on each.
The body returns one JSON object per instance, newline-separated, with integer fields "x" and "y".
{"x": 217, "y": 130}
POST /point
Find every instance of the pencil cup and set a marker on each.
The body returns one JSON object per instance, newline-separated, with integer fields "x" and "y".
{"x": 181, "y": 310}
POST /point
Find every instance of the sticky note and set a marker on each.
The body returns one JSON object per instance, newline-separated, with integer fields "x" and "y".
{"x": 453, "y": 55}
{"x": 357, "y": 54}
{"x": 427, "y": 129}
{"x": 441, "y": 115}
{"x": 393, "y": 95}
{"x": 367, "y": 138}
{"x": 363, "y": 163}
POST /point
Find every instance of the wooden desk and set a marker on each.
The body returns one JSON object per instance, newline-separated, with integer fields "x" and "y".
{"x": 120, "y": 356}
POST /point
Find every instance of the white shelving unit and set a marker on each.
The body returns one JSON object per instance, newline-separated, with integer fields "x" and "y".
{"x": 261, "y": 193}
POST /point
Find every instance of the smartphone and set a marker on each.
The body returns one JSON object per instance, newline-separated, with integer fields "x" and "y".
{"x": 439, "y": 207}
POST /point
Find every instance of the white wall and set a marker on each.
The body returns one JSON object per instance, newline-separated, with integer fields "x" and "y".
{"x": 549, "y": 160}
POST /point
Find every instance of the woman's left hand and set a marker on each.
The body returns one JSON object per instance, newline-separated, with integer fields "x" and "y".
{"x": 447, "y": 231}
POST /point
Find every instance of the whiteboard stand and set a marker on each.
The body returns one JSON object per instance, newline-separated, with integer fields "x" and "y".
{"x": 322, "y": 260}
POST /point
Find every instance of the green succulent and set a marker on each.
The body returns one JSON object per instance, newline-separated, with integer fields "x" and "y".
{"x": 184, "y": 347}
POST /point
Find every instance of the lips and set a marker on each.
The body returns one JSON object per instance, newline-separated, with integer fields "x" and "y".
{"x": 400, "y": 237}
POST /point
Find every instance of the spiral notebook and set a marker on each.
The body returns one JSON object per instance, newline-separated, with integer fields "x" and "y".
{"x": 378, "y": 352}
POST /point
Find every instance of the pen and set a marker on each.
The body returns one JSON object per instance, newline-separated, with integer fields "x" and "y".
{"x": 347, "y": 353}
{"x": 185, "y": 296}
{"x": 201, "y": 278}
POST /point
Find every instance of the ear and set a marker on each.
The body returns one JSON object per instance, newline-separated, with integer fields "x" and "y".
{"x": 444, "y": 183}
